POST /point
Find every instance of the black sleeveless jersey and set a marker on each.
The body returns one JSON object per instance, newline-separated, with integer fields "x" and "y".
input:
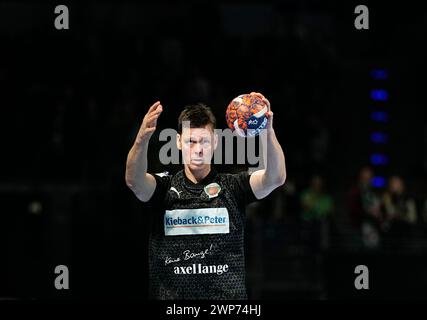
{"x": 196, "y": 245}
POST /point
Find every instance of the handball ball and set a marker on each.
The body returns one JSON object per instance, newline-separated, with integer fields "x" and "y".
{"x": 247, "y": 115}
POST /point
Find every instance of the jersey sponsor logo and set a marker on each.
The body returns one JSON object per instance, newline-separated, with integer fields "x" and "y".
{"x": 202, "y": 269}
{"x": 196, "y": 221}
{"x": 212, "y": 190}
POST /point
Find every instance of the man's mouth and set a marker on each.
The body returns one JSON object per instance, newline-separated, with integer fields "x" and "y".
{"x": 198, "y": 161}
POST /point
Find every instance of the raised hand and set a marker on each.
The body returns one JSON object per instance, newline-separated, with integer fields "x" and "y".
{"x": 149, "y": 123}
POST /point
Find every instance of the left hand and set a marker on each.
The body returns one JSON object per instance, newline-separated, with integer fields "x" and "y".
{"x": 269, "y": 112}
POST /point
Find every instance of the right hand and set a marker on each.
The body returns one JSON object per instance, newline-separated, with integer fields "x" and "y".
{"x": 149, "y": 122}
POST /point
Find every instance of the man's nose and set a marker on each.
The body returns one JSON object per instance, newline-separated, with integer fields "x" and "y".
{"x": 198, "y": 148}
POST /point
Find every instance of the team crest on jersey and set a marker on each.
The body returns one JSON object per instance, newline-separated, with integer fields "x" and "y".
{"x": 212, "y": 190}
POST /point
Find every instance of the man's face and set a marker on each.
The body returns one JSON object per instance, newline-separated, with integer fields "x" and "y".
{"x": 396, "y": 185}
{"x": 197, "y": 146}
{"x": 365, "y": 177}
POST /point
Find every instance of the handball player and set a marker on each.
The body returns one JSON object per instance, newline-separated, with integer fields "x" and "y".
{"x": 196, "y": 244}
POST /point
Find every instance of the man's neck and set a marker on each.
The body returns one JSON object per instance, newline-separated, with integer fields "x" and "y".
{"x": 197, "y": 176}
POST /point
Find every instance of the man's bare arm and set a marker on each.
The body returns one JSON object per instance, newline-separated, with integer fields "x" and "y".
{"x": 263, "y": 182}
{"x": 138, "y": 180}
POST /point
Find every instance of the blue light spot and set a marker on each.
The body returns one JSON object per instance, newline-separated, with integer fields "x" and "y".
{"x": 379, "y": 137}
{"x": 379, "y": 116}
{"x": 379, "y": 74}
{"x": 379, "y": 159}
{"x": 379, "y": 95}
{"x": 378, "y": 182}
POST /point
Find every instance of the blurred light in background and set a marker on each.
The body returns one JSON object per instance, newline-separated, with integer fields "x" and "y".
{"x": 379, "y": 137}
{"x": 35, "y": 207}
{"x": 379, "y": 159}
{"x": 379, "y": 95}
{"x": 379, "y": 74}
{"x": 379, "y": 116}
{"x": 378, "y": 182}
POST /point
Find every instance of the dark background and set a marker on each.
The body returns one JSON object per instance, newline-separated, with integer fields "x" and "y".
{"x": 72, "y": 102}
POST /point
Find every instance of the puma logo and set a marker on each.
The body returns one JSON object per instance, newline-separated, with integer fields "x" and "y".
{"x": 177, "y": 192}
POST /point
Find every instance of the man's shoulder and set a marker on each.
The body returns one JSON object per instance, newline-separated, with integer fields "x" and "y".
{"x": 163, "y": 174}
{"x": 233, "y": 177}
{"x": 234, "y": 174}
{"x": 163, "y": 178}
{"x": 168, "y": 175}
{"x": 174, "y": 178}
{"x": 226, "y": 176}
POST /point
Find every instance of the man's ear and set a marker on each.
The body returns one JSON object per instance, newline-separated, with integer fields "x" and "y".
{"x": 215, "y": 141}
{"x": 178, "y": 141}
